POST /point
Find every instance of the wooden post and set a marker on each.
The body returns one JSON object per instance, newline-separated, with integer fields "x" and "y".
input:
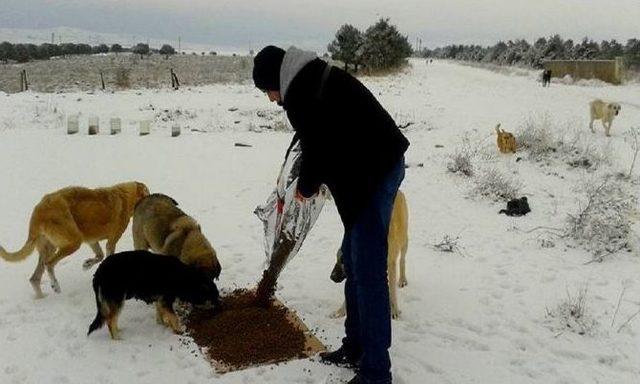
{"x": 175, "y": 130}
{"x": 21, "y": 82}
{"x": 94, "y": 125}
{"x": 26, "y": 82}
{"x": 102, "y": 80}
{"x": 145, "y": 127}
{"x": 116, "y": 125}
{"x": 72, "y": 124}
{"x": 175, "y": 83}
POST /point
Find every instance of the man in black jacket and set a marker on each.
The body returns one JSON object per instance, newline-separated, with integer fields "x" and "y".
{"x": 351, "y": 144}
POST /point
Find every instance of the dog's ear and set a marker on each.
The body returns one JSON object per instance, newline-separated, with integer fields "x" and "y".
{"x": 141, "y": 190}
{"x": 173, "y": 236}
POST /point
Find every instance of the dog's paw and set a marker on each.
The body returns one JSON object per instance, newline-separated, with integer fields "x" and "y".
{"x": 337, "y": 314}
{"x": 402, "y": 283}
{"x": 88, "y": 263}
{"x": 395, "y": 314}
{"x": 56, "y": 286}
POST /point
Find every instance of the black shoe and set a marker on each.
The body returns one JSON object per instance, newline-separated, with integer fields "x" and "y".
{"x": 342, "y": 358}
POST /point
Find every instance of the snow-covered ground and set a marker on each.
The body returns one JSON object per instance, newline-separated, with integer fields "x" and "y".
{"x": 476, "y": 316}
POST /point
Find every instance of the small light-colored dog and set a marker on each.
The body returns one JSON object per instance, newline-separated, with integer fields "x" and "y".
{"x": 65, "y": 219}
{"x": 506, "y": 141}
{"x": 604, "y": 112}
{"x": 160, "y": 225}
{"x": 398, "y": 241}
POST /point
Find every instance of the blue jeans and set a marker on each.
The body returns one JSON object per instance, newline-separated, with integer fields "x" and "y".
{"x": 364, "y": 254}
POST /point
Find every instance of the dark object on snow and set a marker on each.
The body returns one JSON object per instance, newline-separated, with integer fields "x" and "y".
{"x": 243, "y": 145}
{"x": 516, "y": 207}
{"x": 439, "y": 146}
{"x": 546, "y": 77}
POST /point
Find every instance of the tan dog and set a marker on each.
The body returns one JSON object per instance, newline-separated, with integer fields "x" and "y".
{"x": 506, "y": 141}
{"x": 605, "y": 112}
{"x": 65, "y": 219}
{"x": 159, "y": 224}
{"x": 398, "y": 240}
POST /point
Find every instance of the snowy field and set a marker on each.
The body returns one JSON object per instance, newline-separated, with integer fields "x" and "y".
{"x": 485, "y": 314}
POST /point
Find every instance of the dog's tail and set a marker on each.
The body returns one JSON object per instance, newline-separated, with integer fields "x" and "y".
{"x": 26, "y": 249}
{"x": 98, "y": 322}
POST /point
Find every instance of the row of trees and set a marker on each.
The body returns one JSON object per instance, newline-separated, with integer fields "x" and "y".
{"x": 26, "y": 52}
{"x": 380, "y": 47}
{"x": 520, "y": 52}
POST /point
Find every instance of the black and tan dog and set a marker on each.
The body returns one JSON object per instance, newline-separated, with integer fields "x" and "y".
{"x": 152, "y": 278}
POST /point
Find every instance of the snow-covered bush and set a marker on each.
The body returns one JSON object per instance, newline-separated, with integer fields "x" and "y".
{"x": 602, "y": 223}
{"x": 535, "y": 136}
{"x": 582, "y": 152}
{"x": 461, "y": 161}
{"x": 571, "y": 314}
{"x": 496, "y": 185}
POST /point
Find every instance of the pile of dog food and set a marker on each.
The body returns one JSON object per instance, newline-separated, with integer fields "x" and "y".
{"x": 246, "y": 334}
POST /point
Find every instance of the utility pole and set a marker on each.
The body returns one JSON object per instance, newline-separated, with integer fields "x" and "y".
{"x": 179, "y": 45}
{"x": 52, "y": 37}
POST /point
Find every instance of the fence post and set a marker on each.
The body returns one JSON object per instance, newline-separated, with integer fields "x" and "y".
{"x": 26, "y": 82}
{"x": 102, "y": 80}
{"x": 175, "y": 83}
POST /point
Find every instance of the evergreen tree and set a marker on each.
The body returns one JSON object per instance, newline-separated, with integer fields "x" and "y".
{"x": 384, "y": 47}
{"x": 346, "y": 46}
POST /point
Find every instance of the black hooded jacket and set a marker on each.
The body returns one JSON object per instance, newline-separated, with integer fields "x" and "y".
{"x": 349, "y": 141}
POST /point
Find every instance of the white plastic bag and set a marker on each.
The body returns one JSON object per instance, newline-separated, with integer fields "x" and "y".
{"x": 286, "y": 220}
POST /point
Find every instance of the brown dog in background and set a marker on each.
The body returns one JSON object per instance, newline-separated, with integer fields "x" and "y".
{"x": 398, "y": 242}
{"x": 159, "y": 225}
{"x": 65, "y": 219}
{"x": 506, "y": 141}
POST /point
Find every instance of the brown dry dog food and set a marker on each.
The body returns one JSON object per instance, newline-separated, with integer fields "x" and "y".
{"x": 244, "y": 334}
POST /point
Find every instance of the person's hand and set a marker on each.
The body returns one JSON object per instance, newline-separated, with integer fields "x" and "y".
{"x": 298, "y": 196}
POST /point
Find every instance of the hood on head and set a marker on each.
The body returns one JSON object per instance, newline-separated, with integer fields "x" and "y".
{"x": 294, "y": 60}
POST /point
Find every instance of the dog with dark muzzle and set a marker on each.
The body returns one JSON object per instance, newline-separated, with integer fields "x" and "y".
{"x": 160, "y": 225}
{"x": 605, "y": 112}
{"x": 152, "y": 278}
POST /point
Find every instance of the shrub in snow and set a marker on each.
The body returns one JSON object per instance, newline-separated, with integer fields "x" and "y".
{"x": 461, "y": 160}
{"x": 602, "y": 223}
{"x": 122, "y": 77}
{"x": 497, "y": 186}
{"x": 571, "y": 314}
{"x": 535, "y": 137}
{"x": 448, "y": 244}
{"x": 579, "y": 151}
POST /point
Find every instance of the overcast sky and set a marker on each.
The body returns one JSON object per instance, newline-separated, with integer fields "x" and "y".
{"x": 312, "y": 23}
